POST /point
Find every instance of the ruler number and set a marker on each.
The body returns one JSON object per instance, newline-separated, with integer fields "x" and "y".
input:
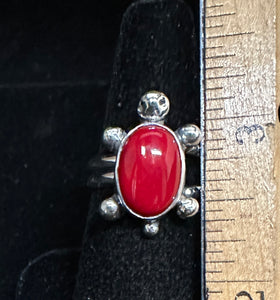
{"x": 246, "y": 294}
{"x": 256, "y": 132}
{"x": 261, "y": 295}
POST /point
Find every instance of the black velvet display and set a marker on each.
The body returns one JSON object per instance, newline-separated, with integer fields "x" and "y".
{"x": 50, "y": 276}
{"x": 158, "y": 50}
{"x": 56, "y": 68}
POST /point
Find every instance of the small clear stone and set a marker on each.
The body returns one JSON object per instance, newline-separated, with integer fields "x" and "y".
{"x": 109, "y": 209}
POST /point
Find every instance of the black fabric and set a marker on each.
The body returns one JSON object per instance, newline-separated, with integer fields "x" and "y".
{"x": 55, "y": 69}
{"x": 49, "y": 276}
{"x": 56, "y": 65}
{"x": 157, "y": 49}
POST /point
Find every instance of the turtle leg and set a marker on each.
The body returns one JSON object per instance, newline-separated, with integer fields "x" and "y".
{"x": 112, "y": 138}
{"x": 189, "y": 136}
{"x": 110, "y": 209}
{"x": 188, "y": 205}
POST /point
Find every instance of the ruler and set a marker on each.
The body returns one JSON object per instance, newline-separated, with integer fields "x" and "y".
{"x": 240, "y": 166}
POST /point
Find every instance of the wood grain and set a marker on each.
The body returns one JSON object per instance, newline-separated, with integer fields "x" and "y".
{"x": 242, "y": 153}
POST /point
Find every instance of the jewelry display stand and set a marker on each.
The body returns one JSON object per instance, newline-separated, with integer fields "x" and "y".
{"x": 157, "y": 50}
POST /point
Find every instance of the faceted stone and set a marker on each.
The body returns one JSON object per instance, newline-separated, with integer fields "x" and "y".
{"x": 149, "y": 170}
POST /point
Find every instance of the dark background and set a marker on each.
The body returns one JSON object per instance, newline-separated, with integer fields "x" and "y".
{"x": 55, "y": 70}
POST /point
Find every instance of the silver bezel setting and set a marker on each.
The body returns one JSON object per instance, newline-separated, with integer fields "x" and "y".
{"x": 182, "y": 178}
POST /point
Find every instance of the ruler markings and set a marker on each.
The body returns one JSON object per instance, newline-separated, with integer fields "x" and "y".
{"x": 214, "y": 292}
{"x": 214, "y": 88}
{"x": 214, "y": 251}
{"x": 215, "y": 149}
{"x": 220, "y": 261}
{"x": 239, "y": 281}
{"x": 214, "y": 271}
{"x": 215, "y": 5}
{"x": 225, "y": 76}
{"x": 214, "y": 26}
{"x": 214, "y": 68}
{"x": 224, "y": 158}
{"x": 230, "y": 199}
{"x": 229, "y": 35}
{"x": 215, "y": 109}
{"x": 220, "y": 98}
{"x": 252, "y": 50}
{"x": 215, "y": 129}
{"x": 225, "y": 241}
{"x": 220, "y": 56}
{"x": 219, "y": 220}
{"x": 220, "y": 179}
{"x": 220, "y": 15}
{"x": 215, "y": 140}
{"x": 214, "y": 47}
{"x": 239, "y": 117}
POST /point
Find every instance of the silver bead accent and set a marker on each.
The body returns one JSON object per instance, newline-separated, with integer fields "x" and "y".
{"x": 153, "y": 106}
{"x": 194, "y": 150}
{"x": 112, "y": 137}
{"x": 109, "y": 209}
{"x": 151, "y": 228}
{"x": 189, "y": 135}
{"x": 192, "y": 191}
{"x": 187, "y": 207}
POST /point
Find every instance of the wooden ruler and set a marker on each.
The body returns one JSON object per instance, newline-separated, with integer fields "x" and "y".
{"x": 240, "y": 167}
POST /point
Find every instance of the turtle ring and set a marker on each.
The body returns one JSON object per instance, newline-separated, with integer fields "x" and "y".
{"x": 150, "y": 166}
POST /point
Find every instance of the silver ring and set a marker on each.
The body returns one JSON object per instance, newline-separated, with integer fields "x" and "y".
{"x": 150, "y": 166}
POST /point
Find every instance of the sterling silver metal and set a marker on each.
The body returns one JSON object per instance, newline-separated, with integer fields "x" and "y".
{"x": 151, "y": 228}
{"x": 189, "y": 135}
{"x": 187, "y": 207}
{"x": 153, "y": 106}
{"x": 110, "y": 209}
{"x": 195, "y": 150}
{"x": 152, "y": 109}
{"x": 192, "y": 191}
{"x": 112, "y": 137}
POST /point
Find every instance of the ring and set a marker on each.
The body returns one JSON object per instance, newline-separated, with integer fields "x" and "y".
{"x": 150, "y": 166}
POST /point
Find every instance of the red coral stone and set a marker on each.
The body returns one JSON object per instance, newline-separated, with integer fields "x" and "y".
{"x": 149, "y": 170}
